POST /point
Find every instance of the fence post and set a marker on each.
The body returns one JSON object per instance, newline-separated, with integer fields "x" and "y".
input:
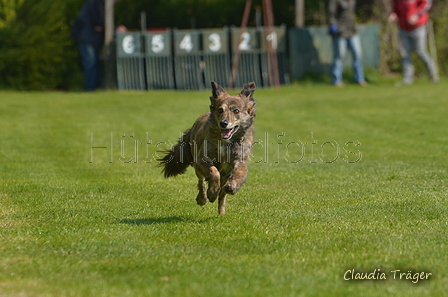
{"x": 159, "y": 60}
{"x": 188, "y": 66}
{"x": 108, "y": 48}
{"x": 274, "y": 56}
{"x": 248, "y": 45}
{"x": 130, "y": 64}
{"x": 216, "y": 55}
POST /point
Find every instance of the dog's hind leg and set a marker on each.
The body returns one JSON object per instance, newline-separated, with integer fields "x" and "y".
{"x": 222, "y": 202}
{"x": 201, "y": 199}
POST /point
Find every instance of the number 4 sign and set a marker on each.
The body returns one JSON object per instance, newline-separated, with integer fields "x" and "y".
{"x": 186, "y": 43}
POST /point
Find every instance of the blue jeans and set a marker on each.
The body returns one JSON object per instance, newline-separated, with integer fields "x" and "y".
{"x": 415, "y": 40}
{"x": 91, "y": 66}
{"x": 340, "y": 45}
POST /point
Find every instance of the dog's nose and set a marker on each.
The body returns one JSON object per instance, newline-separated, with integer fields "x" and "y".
{"x": 223, "y": 123}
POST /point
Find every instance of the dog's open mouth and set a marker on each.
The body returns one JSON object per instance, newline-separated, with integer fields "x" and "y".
{"x": 227, "y": 133}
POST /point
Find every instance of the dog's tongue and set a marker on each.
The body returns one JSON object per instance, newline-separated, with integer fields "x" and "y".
{"x": 225, "y": 133}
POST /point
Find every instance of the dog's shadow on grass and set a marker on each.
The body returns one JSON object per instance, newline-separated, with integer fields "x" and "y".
{"x": 163, "y": 220}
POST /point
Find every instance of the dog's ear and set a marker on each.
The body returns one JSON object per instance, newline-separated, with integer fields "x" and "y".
{"x": 248, "y": 89}
{"x": 212, "y": 108}
{"x": 251, "y": 110}
{"x": 216, "y": 90}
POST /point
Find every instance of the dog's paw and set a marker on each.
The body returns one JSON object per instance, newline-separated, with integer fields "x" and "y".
{"x": 212, "y": 195}
{"x": 201, "y": 200}
{"x": 231, "y": 188}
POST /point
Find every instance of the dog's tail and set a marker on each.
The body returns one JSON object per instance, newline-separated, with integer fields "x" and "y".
{"x": 177, "y": 160}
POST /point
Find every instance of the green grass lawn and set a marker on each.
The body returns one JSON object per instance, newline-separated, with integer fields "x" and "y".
{"x": 340, "y": 180}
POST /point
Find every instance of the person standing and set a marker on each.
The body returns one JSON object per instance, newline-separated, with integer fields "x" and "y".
{"x": 89, "y": 31}
{"x": 341, "y": 15}
{"x": 412, "y": 16}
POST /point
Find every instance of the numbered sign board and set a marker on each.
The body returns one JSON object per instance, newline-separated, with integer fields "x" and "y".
{"x": 274, "y": 39}
{"x": 129, "y": 44}
{"x": 186, "y": 42}
{"x": 158, "y": 43}
{"x": 215, "y": 40}
{"x": 216, "y": 62}
{"x": 246, "y": 41}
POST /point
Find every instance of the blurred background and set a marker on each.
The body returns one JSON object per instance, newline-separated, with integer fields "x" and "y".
{"x": 38, "y": 53}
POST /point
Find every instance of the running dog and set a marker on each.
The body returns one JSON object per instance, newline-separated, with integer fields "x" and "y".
{"x": 218, "y": 146}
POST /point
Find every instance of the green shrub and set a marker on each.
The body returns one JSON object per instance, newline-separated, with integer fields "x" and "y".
{"x": 34, "y": 46}
{"x": 8, "y": 11}
{"x": 439, "y": 15}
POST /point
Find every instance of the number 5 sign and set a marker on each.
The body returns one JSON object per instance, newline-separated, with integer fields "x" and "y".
{"x": 158, "y": 43}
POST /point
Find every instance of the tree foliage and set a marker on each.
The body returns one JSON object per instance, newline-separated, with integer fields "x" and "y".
{"x": 8, "y": 11}
{"x": 35, "y": 45}
{"x": 440, "y": 18}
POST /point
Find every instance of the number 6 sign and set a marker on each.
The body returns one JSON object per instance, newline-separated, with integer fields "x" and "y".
{"x": 129, "y": 44}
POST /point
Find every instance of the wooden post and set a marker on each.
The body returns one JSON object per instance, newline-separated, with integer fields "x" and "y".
{"x": 109, "y": 21}
{"x": 236, "y": 58}
{"x": 271, "y": 45}
{"x": 432, "y": 45}
{"x": 300, "y": 13}
{"x": 108, "y": 49}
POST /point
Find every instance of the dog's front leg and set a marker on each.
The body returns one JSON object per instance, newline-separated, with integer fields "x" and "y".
{"x": 211, "y": 174}
{"x": 236, "y": 179}
{"x": 213, "y": 184}
{"x": 201, "y": 199}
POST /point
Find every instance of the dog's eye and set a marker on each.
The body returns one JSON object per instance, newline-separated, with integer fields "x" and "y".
{"x": 220, "y": 110}
{"x": 235, "y": 111}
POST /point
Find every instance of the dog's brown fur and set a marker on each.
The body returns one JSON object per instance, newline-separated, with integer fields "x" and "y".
{"x": 218, "y": 146}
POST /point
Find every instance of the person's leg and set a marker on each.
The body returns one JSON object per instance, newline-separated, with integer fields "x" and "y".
{"x": 354, "y": 45}
{"x": 405, "y": 50}
{"x": 91, "y": 66}
{"x": 339, "y": 47}
{"x": 419, "y": 37}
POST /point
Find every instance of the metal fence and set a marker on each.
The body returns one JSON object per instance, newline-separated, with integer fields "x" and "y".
{"x": 130, "y": 62}
{"x": 187, "y": 60}
{"x": 190, "y": 59}
{"x": 159, "y": 60}
{"x": 249, "y": 68}
{"x": 310, "y": 49}
{"x": 273, "y": 46}
{"x": 216, "y": 58}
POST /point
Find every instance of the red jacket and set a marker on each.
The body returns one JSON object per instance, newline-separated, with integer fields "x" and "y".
{"x": 405, "y": 8}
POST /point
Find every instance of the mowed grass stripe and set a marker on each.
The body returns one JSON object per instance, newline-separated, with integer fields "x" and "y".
{"x": 74, "y": 228}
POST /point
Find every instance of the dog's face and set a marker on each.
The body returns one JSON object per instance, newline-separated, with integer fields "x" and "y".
{"x": 232, "y": 113}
